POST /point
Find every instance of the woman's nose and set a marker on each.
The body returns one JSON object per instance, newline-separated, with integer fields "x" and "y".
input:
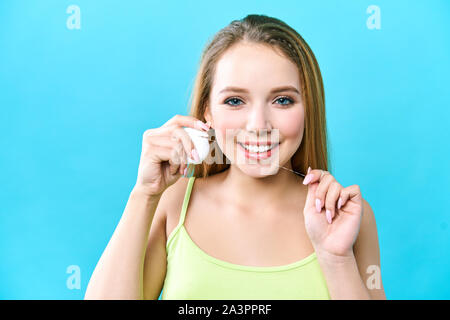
{"x": 258, "y": 120}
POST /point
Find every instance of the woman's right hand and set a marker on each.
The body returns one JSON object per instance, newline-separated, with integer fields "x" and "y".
{"x": 164, "y": 154}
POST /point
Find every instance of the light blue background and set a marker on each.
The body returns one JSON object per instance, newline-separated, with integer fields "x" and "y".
{"x": 74, "y": 104}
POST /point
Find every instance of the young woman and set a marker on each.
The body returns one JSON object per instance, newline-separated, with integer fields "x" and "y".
{"x": 232, "y": 229}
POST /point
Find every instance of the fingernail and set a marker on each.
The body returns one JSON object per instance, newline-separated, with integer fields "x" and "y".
{"x": 309, "y": 169}
{"x": 328, "y": 214}
{"x": 339, "y": 203}
{"x": 185, "y": 171}
{"x": 195, "y": 155}
{"x": 203, "y": 125}
{"x": 318, "y": 206}
{"x": 307, "y": 179}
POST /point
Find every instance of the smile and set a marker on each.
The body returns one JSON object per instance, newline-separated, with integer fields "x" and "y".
{"x": 254, "y": 151}
{"x": 256, "y": 148}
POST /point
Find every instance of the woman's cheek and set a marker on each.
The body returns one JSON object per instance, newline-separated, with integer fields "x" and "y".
{"x": 291, "y": 125}
{"x": 226, "y": 122}
{"x": 226, "y": 128}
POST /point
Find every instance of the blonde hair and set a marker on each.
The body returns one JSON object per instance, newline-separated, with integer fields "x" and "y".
{"x": 274, "y": 32}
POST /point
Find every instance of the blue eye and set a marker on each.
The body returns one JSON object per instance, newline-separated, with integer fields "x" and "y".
{"x": 285, "y": 99}
{"x": 234, "y": 100}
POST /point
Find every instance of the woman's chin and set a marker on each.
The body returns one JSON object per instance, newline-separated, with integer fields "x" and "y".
{"x": 258, "y": 170}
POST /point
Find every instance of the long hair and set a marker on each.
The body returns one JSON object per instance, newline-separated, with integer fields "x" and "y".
{"x": 274, "y": 32}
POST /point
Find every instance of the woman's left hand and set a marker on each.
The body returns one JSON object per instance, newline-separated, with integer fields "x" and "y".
{"x": 334, "y": 228}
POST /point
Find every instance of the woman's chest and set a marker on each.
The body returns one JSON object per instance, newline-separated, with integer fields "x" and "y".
{"x": 267, "y": 236}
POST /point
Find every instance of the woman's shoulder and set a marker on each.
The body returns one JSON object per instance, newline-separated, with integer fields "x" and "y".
{"x": 173, "y": 197}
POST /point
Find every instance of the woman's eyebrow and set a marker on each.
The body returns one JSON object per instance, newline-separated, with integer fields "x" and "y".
{"x": 274, "y": 90}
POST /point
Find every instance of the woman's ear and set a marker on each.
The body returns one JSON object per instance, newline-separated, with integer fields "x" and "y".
{"x": 208, "y": 117}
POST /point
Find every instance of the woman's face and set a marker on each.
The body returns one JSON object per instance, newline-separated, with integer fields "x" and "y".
{"x": 256, "y": 99}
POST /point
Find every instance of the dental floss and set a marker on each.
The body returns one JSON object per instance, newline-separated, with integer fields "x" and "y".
{"x": 201, "y": 143}
{"x": 292, "y": 171}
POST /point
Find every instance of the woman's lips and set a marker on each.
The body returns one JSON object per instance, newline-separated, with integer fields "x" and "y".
{"x": 258, "y": 155}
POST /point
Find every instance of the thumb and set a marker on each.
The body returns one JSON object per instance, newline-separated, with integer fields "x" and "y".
{"x": 310, "y": 197}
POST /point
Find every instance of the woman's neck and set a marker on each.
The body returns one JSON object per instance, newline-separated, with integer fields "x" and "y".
{"x": 270, "y": 189}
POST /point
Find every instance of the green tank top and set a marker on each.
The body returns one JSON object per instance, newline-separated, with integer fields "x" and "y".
{"x": 194, "y": 274}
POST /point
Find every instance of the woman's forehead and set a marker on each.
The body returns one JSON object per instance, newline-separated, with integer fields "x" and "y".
{"x": 254, "y": 67}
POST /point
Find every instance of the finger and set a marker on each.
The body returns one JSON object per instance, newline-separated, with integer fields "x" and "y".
{"x": 331, "y": 199}
{"x": 158, "y": 154}
{"x": 322, "y": 190}
{"x": 184, "y": 163}
{"x": 174, "y": 166}
{"x": 174, "y": 162}
{"x": 177, "y": 158}
{"x": 315, "y": 175}
{"x": 170, "y": 136}
{"x": 187, "y": 121}
{"x": 188, "y": 144}
{"x": 310, "y": 196}
{"x": 351, "y": 193}
{"x": 182, "y": 157}
{"x": 165, "y": 141}
{"x": 174, "y": 144}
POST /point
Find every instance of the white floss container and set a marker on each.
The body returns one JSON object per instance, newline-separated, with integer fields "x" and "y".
{"x": 201, "y": 143}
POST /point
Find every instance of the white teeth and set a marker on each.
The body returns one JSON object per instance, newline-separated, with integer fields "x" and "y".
{"x": 256, "y": 149}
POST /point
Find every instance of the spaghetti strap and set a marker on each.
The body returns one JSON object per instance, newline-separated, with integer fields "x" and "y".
{"x": 187, "y": 196}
